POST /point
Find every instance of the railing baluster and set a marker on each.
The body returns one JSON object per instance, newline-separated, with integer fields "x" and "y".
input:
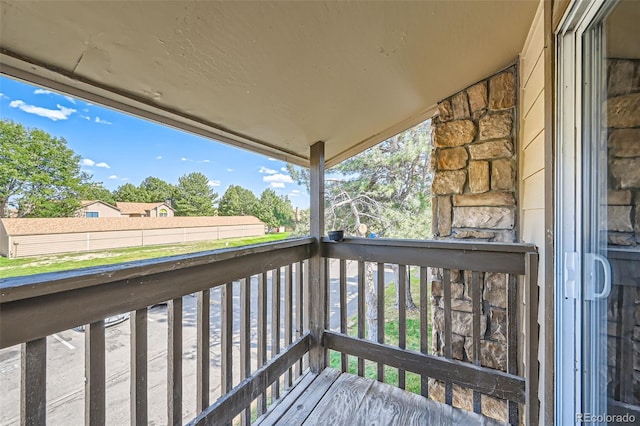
{"x": 138, "y": 323}
{"x": 203, "y": 357}
{"x": 33, "y": 393}
{"x": 262, "y": 335}
{"x": 325, "y": 304}
{"x": 94, "y": 374}
{"x": 226, "y": 317}
{"x": 475, "y": 306}
{"x": 288, "y": 316}
{"x": 448, "y": 337}
{"x": 424, "y": 327}
{"x": 380, "y": 290}
{"x": 174, "y": 362}
{"x": 299, "y": 308}
{"x": 343, "y": 310}
{"x": 512, "y": 339}
{"x": 380, "y": 314}
{"x": 402, "y": 318}
{"x": 275, "y": 326}
{"x": 245, "y": 338}
{"x": 361, "y": 311}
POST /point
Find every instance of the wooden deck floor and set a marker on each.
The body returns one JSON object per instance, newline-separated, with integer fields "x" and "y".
{"x": 334, "y": 398}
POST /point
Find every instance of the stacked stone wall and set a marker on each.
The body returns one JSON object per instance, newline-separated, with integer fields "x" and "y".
{"x": 474, "y": 198}
{"x": 623, "y": 222}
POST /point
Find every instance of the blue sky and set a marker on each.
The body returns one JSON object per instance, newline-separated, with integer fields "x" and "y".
{"x": 117, "y": 148}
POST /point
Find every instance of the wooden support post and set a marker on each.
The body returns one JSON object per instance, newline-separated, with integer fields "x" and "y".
{"x": 531, "y": 338}
{"x": 174, "y": 361}
{"x": 33, "y": 393}
{"x": 138, "y": 386}
{"x": 203, "y": 357}
{"x": 317, "y": 291}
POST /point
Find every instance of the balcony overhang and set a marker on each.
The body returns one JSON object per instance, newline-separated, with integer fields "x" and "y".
{"x": 271, "y": 77}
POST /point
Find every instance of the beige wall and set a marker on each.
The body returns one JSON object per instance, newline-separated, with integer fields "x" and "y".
{"x": 4, "y": 241}
{"x": 102, "y": 209}
{"x": 155, "y": 212}
{"x": 531, "y": 159}
{"x": 38, "y": 245}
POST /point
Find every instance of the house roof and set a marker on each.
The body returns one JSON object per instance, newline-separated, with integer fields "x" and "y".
{"x": 86, "y": 203}
{"x": 139, "y": 208}
{"x": 273, "y": 77}
{"x": 37, "y": 226}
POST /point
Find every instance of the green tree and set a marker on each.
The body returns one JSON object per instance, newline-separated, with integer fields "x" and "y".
{"x": 96, "y": 191}
{"x": 237, "y": 201}
{"x": 130, "y": 193}
{"x": 39, "y": 175}
{"x": 274, "y": 210}
{"x": 194, "y": 196}
{"x": 156, "y": 190}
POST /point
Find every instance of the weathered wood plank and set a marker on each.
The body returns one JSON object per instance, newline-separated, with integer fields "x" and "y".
{"x": 532, "y": 405}
{"x": 262, "y": 334}
{"x": 226, "y": 341}
{"x": 33, "y": 389}
{"x": 94, "y": 374}
{"x": 174, "y": 362}
{"x": 310, "y": 398}
{"x": 202, "y": 356}
{"x": 361, "y": 312}
{"x": 245, "y": 338}
{"x": 476, "y": 307}
{"x": 512, "y": 339}
{"x": 317, "y": 289}
{"x": 339, "y": 402}
{"x": 288, "y": 317}
{"x": 424, "y": 327}
{"x": 299, "y": 308}
{"x": 380, "y": 314}
{"x": 280, "y": 407}
{"x": 448, "y": 335}
{"x": 484, "y": 257}
{"x": 138, "y": 385}
{"x": 402, "y": 319}
{"x": 485, "y": 380}
{"x": 275, "y": 324}
{"x": 92, "y": 302}
{"x": 344, "y": 360}
{"x": 234, "y": 402}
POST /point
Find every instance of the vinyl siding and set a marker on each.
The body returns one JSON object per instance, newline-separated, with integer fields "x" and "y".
{"x": 531, "y": 161}
{"x": 4, "y": 241}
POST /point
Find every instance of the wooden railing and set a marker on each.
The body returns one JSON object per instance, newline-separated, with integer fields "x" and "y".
{"x": 32, "y": 308}
{"x": 274, "y": 319}
{"x": 440, "y": 259}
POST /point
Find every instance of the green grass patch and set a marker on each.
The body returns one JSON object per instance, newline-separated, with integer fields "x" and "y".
{"x": 68, "y": 261}
{"x": 391, "y": 335}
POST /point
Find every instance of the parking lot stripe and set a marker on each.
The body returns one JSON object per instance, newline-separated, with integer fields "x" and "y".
{"x": 64, "y": 342}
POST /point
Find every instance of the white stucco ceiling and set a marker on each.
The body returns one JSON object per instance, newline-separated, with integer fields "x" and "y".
{"x": 273, "y": 77}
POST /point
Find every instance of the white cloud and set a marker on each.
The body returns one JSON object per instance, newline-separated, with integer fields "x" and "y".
{"x": 266, "y": 170}
{"x": 101, "y": 121}
{"x": 283, "y": 169}
{"x": 70, "y": 99}
{"x": 278, "y": 177}
{"x": 159, "y": 157}
{"x": 277, "y": 185}
{"x": 42, "y": 92}
{"x": 86, "y": 110}
{"x": 103, "y": 165}
{"x": 295, "y": 191}
{"x": 294, "y": 194}
{"x": 113, "y": 177}
{"x": 213, "y": 183}
{"x": 85, "y": 117}
{"x": 229, "y": 170}
{"x": 3, "y": 96}
{"x": 87, "y": 162}
{"x": 271, "y": 159}
{"x": 204, "y": 161}
{"x": 62, "y": 113}
{"x": 184, "y": 159}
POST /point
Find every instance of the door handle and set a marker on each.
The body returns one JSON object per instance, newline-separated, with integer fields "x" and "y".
{"x": 592, "y": 259}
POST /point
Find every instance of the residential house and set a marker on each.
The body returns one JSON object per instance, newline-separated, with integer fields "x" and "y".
{"x": 145, "y": 209}
{"x": 97, "y": 209}
{"x": 535, "y": 107}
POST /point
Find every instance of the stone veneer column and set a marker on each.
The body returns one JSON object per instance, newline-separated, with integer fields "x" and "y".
{"x": 474, "y": 198}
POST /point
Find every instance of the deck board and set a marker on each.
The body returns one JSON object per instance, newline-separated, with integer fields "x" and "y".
{"x": 334, "y": 398}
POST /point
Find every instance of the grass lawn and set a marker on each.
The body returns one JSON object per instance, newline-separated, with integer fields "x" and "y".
{"x": 67, "y": 261}
{"x": 391, "y": 332}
